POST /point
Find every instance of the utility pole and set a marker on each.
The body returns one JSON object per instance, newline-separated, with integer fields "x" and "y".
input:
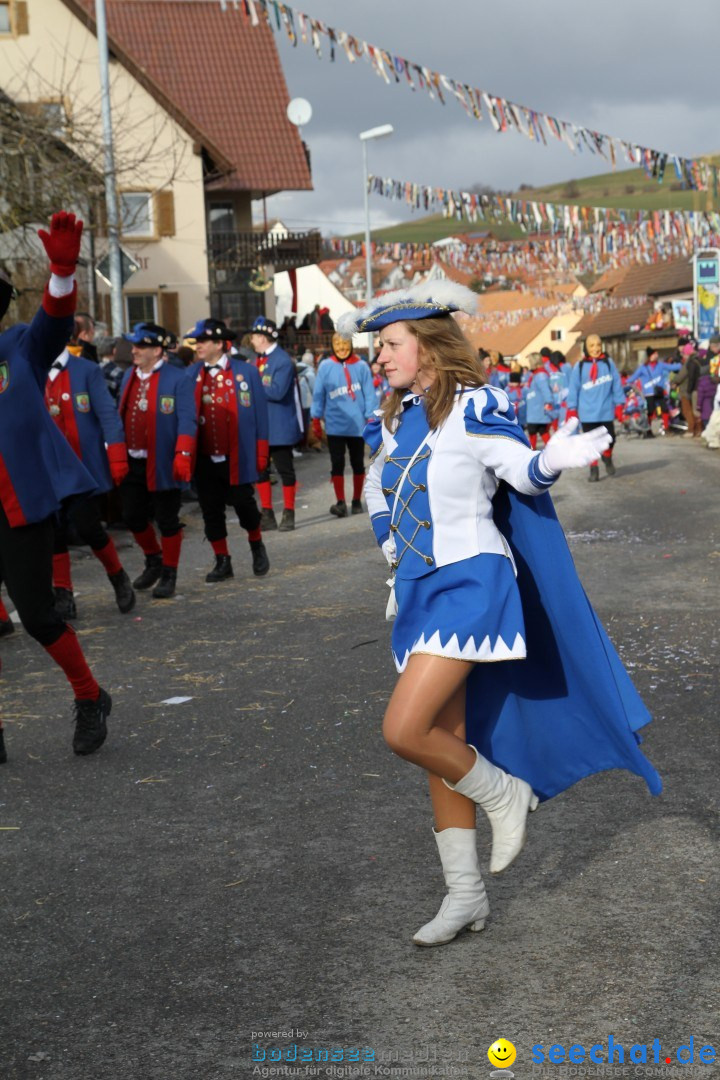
{"x": 111, "y": 200}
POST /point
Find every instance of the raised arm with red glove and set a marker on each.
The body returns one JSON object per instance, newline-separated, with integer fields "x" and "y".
{"x": 62, "y": 243}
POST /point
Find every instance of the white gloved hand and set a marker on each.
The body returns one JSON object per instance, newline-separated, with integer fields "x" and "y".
{"x": 389, "y": 550}
{"x": 566, "y": 450}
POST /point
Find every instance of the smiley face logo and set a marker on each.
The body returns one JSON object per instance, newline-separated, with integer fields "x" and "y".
{"x": 501, "y": 1054}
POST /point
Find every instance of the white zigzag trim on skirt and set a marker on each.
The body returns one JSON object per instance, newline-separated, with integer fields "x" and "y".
{"x": 469, "y": 651}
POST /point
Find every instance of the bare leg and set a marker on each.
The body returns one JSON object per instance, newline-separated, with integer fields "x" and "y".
{"x": 450, "y": 809}
{"x": 423, "y": 692}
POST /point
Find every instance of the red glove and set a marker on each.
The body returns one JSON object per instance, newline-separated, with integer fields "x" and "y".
{"x": 571, "y": 414}
{"x": 317, "y": 428}
{"x": 262, "y": 455}
{"x": 62, "y": 243}
{"x": 182, "y": 468}
{"x": 619, "y": 413}
{"x": 117, "y": 458}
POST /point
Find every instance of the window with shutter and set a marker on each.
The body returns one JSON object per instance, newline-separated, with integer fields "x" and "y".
{"x": 21, "y": 18}
{"x": 165, "y": 213}
{"x": 170, "y": 311}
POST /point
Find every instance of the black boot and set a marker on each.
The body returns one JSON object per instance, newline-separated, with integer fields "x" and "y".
{"x": 287, "y": 523}
{"x": 339, "y": 509}
{"x": 65, "y": 604}
{"x": 90, "y": 723}
{"x": 594, "y": 473}
{"x": 260, "y": 561}
{"x": 152, "y": 571}
{"x": 221, "y": 570}
{"x": 268, "y": 521}
{"x": 6, "y": 627}
{"x": 124, "y": 593}
{"x": 3, "y": 751}
{"x": 165, "y": 587}
{"x": 357, "y": 507}
{"x": 609, "y": 466}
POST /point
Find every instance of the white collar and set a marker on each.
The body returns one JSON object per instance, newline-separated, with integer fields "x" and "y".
{"x": 222, "y": 363}
{"x": 271, "y": 349}
{"x": 148, "y": 374}
{"x": 62, "y": 358}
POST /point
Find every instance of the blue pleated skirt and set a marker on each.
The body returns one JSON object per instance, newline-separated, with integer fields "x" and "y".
{"x": 468, "y": 610}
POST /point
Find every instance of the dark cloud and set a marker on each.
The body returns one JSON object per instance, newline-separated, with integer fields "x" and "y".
{"x": 631, "y": 69}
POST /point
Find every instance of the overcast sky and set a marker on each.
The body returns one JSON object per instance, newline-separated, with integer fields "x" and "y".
{"x": 631, "y": 68}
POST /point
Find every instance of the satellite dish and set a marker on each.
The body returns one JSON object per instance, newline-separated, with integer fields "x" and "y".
{"x": 299, "y": 112}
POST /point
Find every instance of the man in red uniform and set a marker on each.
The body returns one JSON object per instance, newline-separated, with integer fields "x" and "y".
{"x": 39, "y": 473}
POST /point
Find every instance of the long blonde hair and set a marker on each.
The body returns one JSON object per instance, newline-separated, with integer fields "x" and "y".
{"x": 443, "y": 348}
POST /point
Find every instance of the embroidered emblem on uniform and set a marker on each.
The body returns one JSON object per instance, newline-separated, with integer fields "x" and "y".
{"x": 167, "y": 405}
{"x": 267, "y": 380}
{"x": 82, "y": 402}
{"x": 243, "y": 385}
{"x": 238, "y": 378}
{"x": 66, "y": 397}
{"x": 244, "y": 398}
{"x": 4, "y": 377}
{"x": 228, "y": 382}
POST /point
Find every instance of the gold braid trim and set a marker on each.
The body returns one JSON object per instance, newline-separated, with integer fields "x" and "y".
{"x": 403, "y": 306}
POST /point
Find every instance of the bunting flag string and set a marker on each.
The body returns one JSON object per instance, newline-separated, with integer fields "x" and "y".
{"x": 503, "y": 115}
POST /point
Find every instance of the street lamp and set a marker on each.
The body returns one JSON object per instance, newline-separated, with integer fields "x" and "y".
{"x": 365, "y": 136}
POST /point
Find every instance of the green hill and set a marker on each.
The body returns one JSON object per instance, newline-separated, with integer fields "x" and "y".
{"x": 628, "y": 189}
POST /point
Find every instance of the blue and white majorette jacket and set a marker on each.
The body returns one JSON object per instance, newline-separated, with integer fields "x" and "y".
{"x": 569, "y": 709}
{"x": 247, "y": 405}
{"x": 344, "y": 396}
{"x": 279, "y": 380}
{"x": 172, "y": 423}
{"x": 539, "y": 401}
{"x": 595, "y": 400}
{"x": 80, "y": 403}
{"x": 38, "y": 469}
{"x": 442, "y": 512}
{"x": 654, "y": 377}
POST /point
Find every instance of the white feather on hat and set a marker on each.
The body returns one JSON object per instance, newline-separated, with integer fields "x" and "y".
{"x": 445, "y": 294}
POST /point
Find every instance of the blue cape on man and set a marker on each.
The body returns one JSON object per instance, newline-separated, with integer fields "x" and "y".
{"x": 570, "y": 709}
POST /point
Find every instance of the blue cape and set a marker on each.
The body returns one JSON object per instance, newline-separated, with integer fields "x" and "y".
{"x": 569, "y": 709}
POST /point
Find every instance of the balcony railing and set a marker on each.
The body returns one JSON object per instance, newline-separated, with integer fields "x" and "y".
{"x": 231, "y": 251}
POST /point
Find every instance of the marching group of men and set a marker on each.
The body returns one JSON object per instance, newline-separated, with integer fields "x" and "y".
{"x": 65, "y": 443}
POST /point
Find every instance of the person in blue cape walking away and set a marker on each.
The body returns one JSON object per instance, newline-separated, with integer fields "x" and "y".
{"x": 597, "y": 398}
{"x": 344, "y": 397}
{"x": 509, "y": 690}
{"x": 539, "y": 402}
{"x": 279, "y": 381}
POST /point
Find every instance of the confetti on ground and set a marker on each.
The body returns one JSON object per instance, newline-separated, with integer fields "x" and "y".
{"x": 175, "y": 700}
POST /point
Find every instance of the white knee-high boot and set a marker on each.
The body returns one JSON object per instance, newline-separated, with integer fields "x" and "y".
{"x": 506, "y": 800}
{"x": 466, "y": 904}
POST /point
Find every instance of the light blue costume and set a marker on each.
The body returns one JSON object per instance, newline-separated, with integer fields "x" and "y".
{"x": 344, "y": 396}
{"x": 538, "y": 398}
{"x": 595, "y": 400}
{"x": 654, "y": 377}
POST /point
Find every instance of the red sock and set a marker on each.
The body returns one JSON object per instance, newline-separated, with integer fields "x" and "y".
{"x": 108, "y": 556}
{"x": 220, "y": 546}
{"x": 4, "y": 617}
{"x": 265, "y": 492}
{"x": 68, "y": 655}
{"x": 595, "y": 463}
{"x": 148, "y": 541}
{"x": 338, "y": 482}
{"x": 255, "y": 535}
{"x": 358, "y": 481}
{"x": 62, "y": 578}
{"x": 289, "y": 497}
{"x": 666, "y": 420}
{"x": 547, "y": 436}
{"x": 533, "y": 441}
{"x": 607, "y": 454}
{"x": 171, "y": 550}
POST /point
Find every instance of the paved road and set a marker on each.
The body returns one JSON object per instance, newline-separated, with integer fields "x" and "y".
{"x": 255, "y": 859}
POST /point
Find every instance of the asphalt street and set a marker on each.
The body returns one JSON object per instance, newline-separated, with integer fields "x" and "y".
{"x": 253, "y": 859}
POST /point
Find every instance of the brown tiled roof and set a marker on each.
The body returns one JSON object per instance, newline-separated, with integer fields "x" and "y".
{"x": 219, "y": 77}
{"x": 609, "y": 280}
{"x": 509, "y": 340}
{"x": 674, "y": 275}
{"x": 613, "y": 323}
